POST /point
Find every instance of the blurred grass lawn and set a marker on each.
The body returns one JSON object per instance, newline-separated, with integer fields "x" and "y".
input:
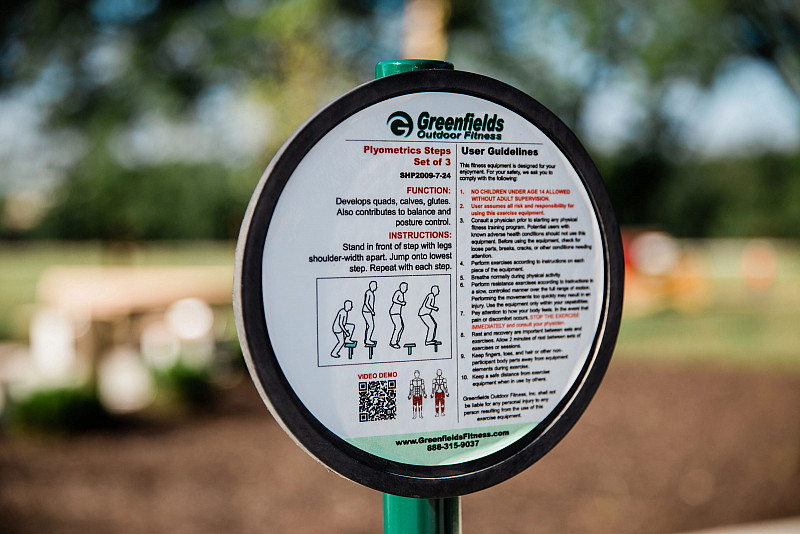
{"x": 733, "y": 327}
{"x": 739, "y": 336}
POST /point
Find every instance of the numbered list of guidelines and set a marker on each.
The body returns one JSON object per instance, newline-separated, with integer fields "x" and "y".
{"x": 433, "y": 278}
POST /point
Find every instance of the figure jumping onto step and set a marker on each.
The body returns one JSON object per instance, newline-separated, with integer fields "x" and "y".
{"x": 426, "y": 314}
{"x": 342, "y": 329}
{"x": 368, "y": 311}
{"x": 396, "y": 314}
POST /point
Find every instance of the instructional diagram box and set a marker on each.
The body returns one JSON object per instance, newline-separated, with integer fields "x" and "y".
{"x": 384, "y": 319}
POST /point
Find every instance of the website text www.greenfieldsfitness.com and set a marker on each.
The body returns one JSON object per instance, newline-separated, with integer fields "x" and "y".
{"x": 452, "y": 441}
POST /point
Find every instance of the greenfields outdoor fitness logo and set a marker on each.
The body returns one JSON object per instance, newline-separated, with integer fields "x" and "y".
{"x": 400, "y": 123}
{"x": 471, "y": 126}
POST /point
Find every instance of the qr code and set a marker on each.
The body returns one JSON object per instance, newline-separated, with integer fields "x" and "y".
{"x": 377, "y": 400}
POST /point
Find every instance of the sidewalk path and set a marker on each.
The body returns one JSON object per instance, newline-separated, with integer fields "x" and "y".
{"x": 782, "y": 526}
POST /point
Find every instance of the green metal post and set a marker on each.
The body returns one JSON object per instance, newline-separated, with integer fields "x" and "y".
{"x": 403, "y": 515}
{"x": 396, "y": 66}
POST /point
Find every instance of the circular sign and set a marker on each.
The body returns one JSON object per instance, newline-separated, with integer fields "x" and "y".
{"x": 429, "y": 283}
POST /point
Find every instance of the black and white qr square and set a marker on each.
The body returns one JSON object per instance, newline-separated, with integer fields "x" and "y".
{"x": 377, "y": 400}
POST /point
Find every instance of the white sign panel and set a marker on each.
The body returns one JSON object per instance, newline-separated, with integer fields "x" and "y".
{"x": 432, "y": 295}
{"x": 429, "y": 278}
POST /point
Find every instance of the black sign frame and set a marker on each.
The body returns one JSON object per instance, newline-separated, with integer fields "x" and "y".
{"x": 309, "y": 433}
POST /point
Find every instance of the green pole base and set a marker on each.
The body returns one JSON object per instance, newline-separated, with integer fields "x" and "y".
{"x": 403, "y": 515}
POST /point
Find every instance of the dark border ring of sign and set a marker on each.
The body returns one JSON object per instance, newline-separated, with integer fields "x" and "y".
{"x": 329, "y": 449}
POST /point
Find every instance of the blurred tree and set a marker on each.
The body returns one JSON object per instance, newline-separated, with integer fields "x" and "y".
{"x": 756, "y": 196}
{"x": 570, "y": 53}
{"x": 173, "y": 201}
{"x": 567, "y": 53}
{"x": 564, "y": 51}
{"x": 424, "y": 25}
{"x": 178, "y": 104}
{"x": 184, "y": 101}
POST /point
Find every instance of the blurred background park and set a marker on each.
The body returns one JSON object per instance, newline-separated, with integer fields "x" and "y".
{"x": 132, "y": 134}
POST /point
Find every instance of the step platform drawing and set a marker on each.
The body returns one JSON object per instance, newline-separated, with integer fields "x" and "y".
{"x": 382, "y": 314}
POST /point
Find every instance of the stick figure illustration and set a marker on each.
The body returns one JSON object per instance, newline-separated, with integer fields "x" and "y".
{"x": 368, "y": 311}
{"x": 425, "y": 313}
{"x": 439, "y": 391}
{"x": 342, "y": 329}
{"x": 396, "y": 314}
{"x": 416, "y": 390}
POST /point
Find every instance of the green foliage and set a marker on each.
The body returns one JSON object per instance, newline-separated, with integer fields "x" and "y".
{"x": 186, "y": 386}
{"x": 563, "y": 52}
{"x": 751, "y": 197}
{"x": 176, "y": 201}
{"x": 62, "y": 410}
{"x": 112, "y": 66}
{"x": 633, "y": 182}
{"x": 172, "y": 56}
